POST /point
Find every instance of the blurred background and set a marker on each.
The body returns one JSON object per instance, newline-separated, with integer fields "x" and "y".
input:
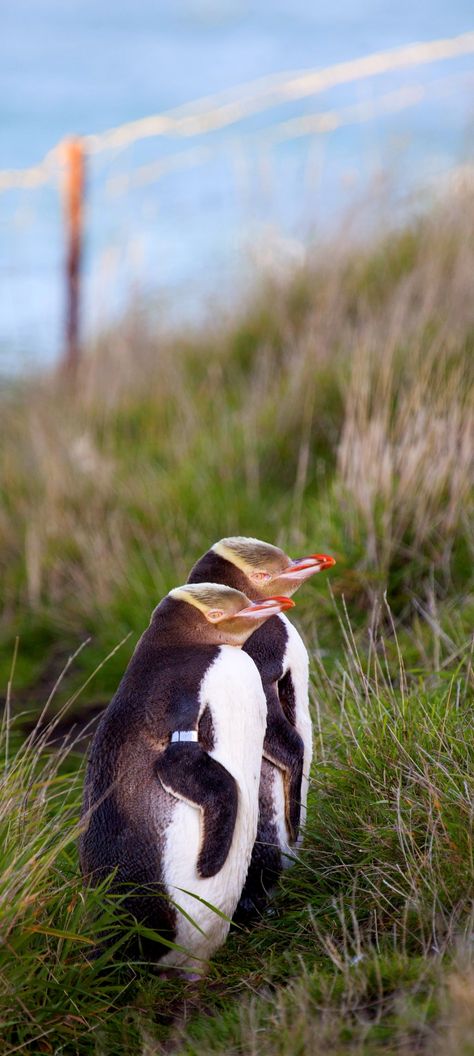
{"x": 278, "y": 129}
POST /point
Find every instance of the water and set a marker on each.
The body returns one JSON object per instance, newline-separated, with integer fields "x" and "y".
{"x": 82, "y": 67}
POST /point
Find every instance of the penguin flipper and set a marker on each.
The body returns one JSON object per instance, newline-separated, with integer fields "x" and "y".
{"x": 284, "y": 747}
{"x": 189, "y": 773}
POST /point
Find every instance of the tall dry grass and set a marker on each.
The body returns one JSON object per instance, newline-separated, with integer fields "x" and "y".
{"x": 356, "y": 380}
{"x": 405, "y": 456}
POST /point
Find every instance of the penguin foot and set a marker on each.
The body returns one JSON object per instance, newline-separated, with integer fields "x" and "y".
{"x": 191, "y": 977}
{"x": 187, "y": 975}
{"x": 247, "y": 912}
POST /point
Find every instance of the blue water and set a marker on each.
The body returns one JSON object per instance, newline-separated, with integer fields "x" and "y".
{"x": 68, "y": 66}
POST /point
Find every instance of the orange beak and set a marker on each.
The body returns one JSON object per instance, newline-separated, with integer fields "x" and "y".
{"x": 306, "y": 567}
{"x": 269, "y": 607}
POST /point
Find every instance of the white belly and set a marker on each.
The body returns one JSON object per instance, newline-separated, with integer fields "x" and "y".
{"x": 233, "y": 691}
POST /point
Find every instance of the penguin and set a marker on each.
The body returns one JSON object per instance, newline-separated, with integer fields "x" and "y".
{"x": 258, "y": 569}
{"x": 170, "y": 804}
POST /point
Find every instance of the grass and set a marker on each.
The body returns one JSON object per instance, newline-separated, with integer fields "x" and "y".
{"x": 332, "y": 414}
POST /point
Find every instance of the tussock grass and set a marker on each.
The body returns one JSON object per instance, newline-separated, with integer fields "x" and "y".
{"x": 335, "y": 414}
{"x": 338, "y": 413}
{"x": 405, "y": 455}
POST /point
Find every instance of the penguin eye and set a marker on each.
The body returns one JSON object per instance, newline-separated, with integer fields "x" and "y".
{"x": 214, "y": 615}
{"x": 261, "y": 577}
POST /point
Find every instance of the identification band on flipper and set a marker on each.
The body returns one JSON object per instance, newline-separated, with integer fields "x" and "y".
{"x": 183, "y": 735}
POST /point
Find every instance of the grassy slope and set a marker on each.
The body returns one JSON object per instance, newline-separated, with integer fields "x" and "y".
{"x": 336, "y": 414}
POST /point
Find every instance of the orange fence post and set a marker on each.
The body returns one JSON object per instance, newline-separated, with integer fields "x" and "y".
{"x": 74, "y": 190}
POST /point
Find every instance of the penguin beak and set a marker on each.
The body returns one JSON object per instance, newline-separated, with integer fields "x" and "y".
{"x": 261, "y": 609}
{"x": 306, "y": 567}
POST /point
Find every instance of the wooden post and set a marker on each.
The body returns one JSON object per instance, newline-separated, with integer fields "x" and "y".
{"x": 74, "y": 189}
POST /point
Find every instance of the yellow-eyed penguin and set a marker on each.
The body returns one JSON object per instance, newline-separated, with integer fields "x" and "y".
{"x": 171, "y": 790}
{"x": 259, "y": 569}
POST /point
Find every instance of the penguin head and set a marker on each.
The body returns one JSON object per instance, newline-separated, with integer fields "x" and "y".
{"x": 259, "y": 569}
{"x": 221, "y": 615}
